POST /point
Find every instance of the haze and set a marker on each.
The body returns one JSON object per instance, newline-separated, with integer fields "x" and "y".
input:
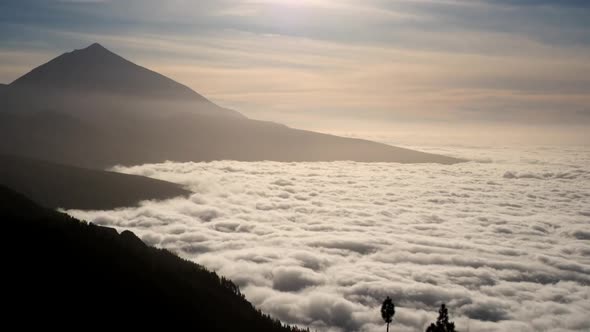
{"x": 411, "y": 72}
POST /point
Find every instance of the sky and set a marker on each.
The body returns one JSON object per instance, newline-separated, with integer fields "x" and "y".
{"x": 419, "y": 71}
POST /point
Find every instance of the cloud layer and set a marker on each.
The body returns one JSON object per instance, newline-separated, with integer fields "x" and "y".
{"x": 503, "y": 241}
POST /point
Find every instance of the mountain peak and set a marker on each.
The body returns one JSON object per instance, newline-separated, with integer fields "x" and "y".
{"x": 97, "y": 70}
{"x": 95, "y": 46}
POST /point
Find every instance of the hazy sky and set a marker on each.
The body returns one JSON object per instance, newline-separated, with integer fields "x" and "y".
{"x": 379, "y": 66}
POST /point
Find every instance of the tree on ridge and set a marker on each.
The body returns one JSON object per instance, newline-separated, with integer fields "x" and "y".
{"x": 442, "y": 323}
{"x": 387, "y": 311}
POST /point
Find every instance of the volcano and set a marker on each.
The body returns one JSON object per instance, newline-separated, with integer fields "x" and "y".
{"x": 93, "y": 108}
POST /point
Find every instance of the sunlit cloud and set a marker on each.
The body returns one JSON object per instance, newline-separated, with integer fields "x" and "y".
{"x": 321, "y": 244}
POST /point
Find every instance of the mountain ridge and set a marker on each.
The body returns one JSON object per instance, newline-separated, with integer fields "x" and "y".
{"x": 67, "y": 271}
{"x": 106, "y": 68}
{"x": 60, "y": 186}
{"x": 129, "y": 124}
{"x": 79, "y": 80}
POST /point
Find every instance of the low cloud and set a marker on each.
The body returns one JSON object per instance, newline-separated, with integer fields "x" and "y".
{"x": 292, "y": 279}
{"x": 322, "y": 244}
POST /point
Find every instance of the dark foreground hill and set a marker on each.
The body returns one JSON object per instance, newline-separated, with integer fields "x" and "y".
{"x": 59, "y": 186}
{"x": 64, "y": 274}
{"x": 92, "y": 108}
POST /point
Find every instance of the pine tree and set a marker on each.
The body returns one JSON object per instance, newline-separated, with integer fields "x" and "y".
{"x": 442, "y": 323}
{"x": 387, "y": 311}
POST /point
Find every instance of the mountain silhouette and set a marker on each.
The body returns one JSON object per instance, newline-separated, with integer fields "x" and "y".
{"x": 76, "y": 80}
{"x": 67, "y": 274}
{"x": 59, "y": 186}
{"x": 93, "y": 108}
{"x": 96, "y": 69}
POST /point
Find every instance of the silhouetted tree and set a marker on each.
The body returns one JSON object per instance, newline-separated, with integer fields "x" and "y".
{"x": 387, "y": 311}
{"x": 442, "y": 323}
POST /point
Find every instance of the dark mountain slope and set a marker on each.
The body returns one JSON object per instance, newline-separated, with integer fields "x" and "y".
{"x": 59, "y": 186}
{"x": 65, "y": 274}
{"x": 101, "y": 143}
{"x": 134, "y": 115}
{"x": 96, "y": 69}
{"x": 96, "y": 79}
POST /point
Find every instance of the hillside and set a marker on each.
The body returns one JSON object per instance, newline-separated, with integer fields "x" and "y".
{"x": 72, "y": 275}
{"x": 59, "y": 186}
{"x": 93, "y": 108}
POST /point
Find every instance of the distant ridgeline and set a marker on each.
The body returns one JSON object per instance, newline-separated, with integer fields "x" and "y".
{"x": 61, "y": 273}
{"x": 95, "y": 109}
{"x": 60, "y": 186}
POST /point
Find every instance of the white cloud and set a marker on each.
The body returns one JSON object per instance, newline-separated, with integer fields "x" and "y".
{"x": 322, "y": 244}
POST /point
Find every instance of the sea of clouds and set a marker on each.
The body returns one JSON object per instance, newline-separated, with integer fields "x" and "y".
{"x": 504, "y": 240}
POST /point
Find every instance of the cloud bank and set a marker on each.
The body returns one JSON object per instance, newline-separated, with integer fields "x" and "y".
{"x": 503, "y": 240}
